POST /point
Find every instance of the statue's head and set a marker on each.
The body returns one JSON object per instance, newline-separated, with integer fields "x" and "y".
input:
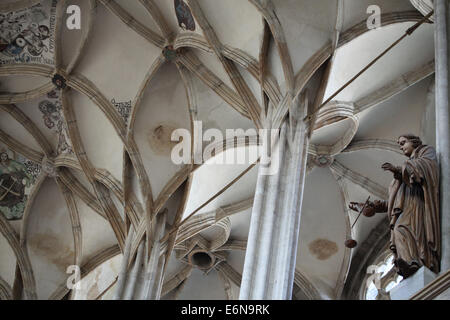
{"x": 408, "y": 143}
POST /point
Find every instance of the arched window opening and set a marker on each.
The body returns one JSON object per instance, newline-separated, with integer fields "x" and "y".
{"x": 381, "y": 278}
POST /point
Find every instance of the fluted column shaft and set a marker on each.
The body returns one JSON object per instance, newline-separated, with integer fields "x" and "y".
{"x": 142, "y": 279}
{"x": 442, "y": 38}
{"x": 270, "y": 258}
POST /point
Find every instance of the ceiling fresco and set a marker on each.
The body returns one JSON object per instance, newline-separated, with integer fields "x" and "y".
{"x": 28, "y": 35}
{"x": 18, "y": 176}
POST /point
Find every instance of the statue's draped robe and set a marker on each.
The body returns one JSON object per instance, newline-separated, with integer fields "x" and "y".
{"x": 413, "y": 211}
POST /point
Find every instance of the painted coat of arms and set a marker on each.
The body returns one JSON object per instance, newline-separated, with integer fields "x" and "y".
{"x": 28, "y": 35}
{"x": 17, "y": 176}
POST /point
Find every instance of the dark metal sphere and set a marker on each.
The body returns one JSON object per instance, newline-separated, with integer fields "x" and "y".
{"x": 350, "y": 243}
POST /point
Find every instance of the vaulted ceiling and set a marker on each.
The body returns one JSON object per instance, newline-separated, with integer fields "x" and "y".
{"x": 97, "y": 157}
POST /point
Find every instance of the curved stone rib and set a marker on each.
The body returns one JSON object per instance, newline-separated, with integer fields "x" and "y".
{"x": 133, "y": 209}
{"x": 191, "y": 95}
{"x": 226, "y": 284}
{"x": 222, "y": 238}
{"x": 60, "y": 23}
{"x": 216, "y": 148}
{"x": 151, "y": 73}
{"x": 5, "y": 290}
{"x": 190, "y": 61}
{"x": 132, "y": 23}
{"x": 251, "y": 104}
{"x": 243, "y": 59}
{"x": 156, "y": 14}
{"x": 279, "y": 112}
{"x": 435, "y": 289}
{"x": 364, "y": 182}
{"x": 101, "y": 192}
{"x": 386, "y": 19}
{"x": 171, "y": 186}
{"x": 106, "y": 178}
{"x": 184, "y": 248}
{"x": 111, "y": 212}
{"x": 325, "y": 77}
{"x": 85, "y": 37}
{"x": 226, "y": 269}
{"x": 188, "y": 39}
{"x": 263, "y": 67}
{"x": 27, "y": 69}
{"x": 168, "y": 246}
{"x": 310, "y": 67}
{"x": 74, "y": 220}
{"x": 336, "y": 110}
{"x": 395, "y": 87}
{"x": 177, "y": 291}
{"x": 10, "y": 98}
{"x": 29, "y": 125}
{"x": 29, "y": 283}
{"x": 423, "y": 6}
{"x": 233, "y": 245}
{"x": 306, "y": 286}
{"x": 217, "y": 194}
{"x": 18, "y": 147}
{"x": 109, "y": 181}
{"x": 268, "y": 11}
{"x": 188, "y": 81}
{"x": 176, "y": 280}
{"x": 127, "y": 180}
{"x": 196, "y": 225}
{"x": 140, "y": 233}
{"x": 67, "y": 160}
{"x": 381, "y": 144}
{"x": 228, "y": 210}
{"x": 316, "y": 61}
{"x": 200, "y": 222}
{"x": 86, "y": 87}
{"x": 99, "y": 258}
{"x": 144, "y": 181}
{"x": 80, "y": 190}
{"x": 27, "y": 211}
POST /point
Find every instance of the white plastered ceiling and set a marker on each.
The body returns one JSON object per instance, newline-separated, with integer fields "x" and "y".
{"x": 113, "y": 60}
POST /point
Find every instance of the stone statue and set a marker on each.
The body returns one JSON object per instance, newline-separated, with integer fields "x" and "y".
{"x": 412, "y": 207}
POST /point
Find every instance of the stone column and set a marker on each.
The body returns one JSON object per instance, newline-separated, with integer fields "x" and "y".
{"x": 270, "y": 258}
{"x": 442, "y": 38}
{"x": 151, "y": 290}
{"x": 142, "y": 279}
{"x": 121, "y": 281}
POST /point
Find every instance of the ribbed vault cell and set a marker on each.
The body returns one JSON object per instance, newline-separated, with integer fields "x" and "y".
{"x": 91, "y": 152}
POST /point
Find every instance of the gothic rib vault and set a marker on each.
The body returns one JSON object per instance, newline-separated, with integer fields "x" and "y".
{"x": 97, "y": 153}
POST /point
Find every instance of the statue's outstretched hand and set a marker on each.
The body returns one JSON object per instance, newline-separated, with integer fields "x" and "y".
{"x": 388, "y": 167}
